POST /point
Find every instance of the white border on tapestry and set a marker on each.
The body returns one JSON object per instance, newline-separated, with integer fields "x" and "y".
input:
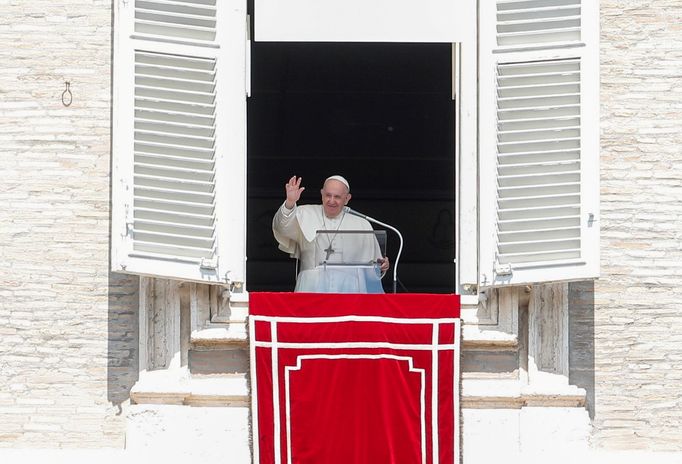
{"x": 410, "y": 362}
{"x": 434, "y": 347}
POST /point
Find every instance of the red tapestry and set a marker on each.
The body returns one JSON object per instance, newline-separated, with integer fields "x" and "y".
{"x": 355, "y": 379}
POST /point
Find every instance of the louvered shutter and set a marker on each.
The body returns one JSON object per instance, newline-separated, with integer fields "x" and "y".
{"x": 179, "y": 139}
{"x": 538, "y": 141}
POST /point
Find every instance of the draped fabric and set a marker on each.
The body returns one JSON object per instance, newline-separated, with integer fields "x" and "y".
{"x": 361, "y": 379}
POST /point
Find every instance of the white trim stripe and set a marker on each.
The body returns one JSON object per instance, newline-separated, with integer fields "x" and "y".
{"x": 456, "y": 391}
{"x": 410, "y": 362}
{"x": 393, "y": 320}
{"x": 254, "y": 392}
{"x": 434, "y": 347}
{"x": 434, "y": 393}
{"x": 346, "y": 345}
{"x": 275, "y": 394}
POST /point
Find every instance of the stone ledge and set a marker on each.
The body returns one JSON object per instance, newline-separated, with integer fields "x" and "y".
{"x": 474, "y": 338}
{"x": 176, "y": 387}
{"x": 229, "y": 334}
{"x": 511, "y": 394}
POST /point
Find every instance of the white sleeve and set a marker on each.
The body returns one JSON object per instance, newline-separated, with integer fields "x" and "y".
{"x": 285, "y": 228}
{"x": 285, "y": 223}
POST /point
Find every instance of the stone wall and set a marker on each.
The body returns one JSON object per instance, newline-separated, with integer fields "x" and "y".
{"x": 68, "y": 336}
{"x": 637, "y": 304}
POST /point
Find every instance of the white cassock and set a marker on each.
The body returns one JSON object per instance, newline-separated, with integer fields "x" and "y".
{"x": 296, "y": 232}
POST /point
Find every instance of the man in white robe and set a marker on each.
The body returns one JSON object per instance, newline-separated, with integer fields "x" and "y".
{"x": 296, "y": 230}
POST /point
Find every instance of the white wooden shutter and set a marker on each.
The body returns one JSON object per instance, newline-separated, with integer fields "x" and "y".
{"x": 179, "y": 139}
{"x": 538, "y": 141}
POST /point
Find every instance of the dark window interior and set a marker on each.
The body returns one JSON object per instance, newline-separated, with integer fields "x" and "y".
{"x": 379, "y": 114}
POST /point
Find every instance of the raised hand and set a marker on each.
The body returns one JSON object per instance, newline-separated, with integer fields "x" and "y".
{"x": 294, "y": 190}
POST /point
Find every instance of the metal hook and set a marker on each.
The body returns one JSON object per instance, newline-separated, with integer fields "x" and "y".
{"x": 67, "y": 96}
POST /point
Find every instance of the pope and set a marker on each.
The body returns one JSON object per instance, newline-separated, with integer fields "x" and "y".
{"x": 295, "y": 226}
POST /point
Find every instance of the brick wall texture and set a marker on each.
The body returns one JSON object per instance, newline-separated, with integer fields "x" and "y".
{"x": 638, "y": 300}
{"x": 67, "y": 326}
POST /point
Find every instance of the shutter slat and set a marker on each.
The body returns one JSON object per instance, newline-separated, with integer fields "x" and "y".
{"x": 546, "y": 91}
{"x": 540, "y": 123}
{"x": 168, "y": 205}
{"x": 552, "y": 181}
{"x": 175, "y": 161}
{"x": 533, "y": 156}
{"x": 174, "y": 139}
{"x": 539, "y": 134}
{"x": 194, "y": 8}
{"x": 180, "y": 106}
{"x": 190, "y": 218}
{"x": 539, "y": 12}
{"x": 537, "y": 66}
{"x": 187, "y": 85}
{"x": 526, "y": 4}
{"x": 166, "y": 149}
{"x": 539, "y": 246}
{"x": 538, "y": 212}
{"x": 195, "y": 19}
{"x": 173, "y": 228}
{"x": 530, "y": 224}
{"x": 557, "y": 144}
{"x": 173, "y": 70}
{"x": 189, "y": 120}
{"x": 511, "y": 105}
{"x": 532, "y": 202}
{"x": 543, "y": 166}
{"x": 537, "y": 190}
{"x": 149, "y": 125}
{"x": 173, "y": 194}
{"x": 203, "y": 178}
{"x": 166, "y": 60}
{"x": 174, "y": 95}
{"x": 527, "y": 26}
{"x": 534, "y": 71}
{"x": 159, "y": 31}
{"x": 170, "y": 252}
{"x": 189, "y": 109}
{"x": 198, "y": 180}
{"x": 541, "y": 259}
{"x": 532, "y": 234}
{"x": 166, "y": 238}
{"x": 525, "y": 110}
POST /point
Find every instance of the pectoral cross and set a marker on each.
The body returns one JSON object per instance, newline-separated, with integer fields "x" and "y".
{"x": 329, "y": 251}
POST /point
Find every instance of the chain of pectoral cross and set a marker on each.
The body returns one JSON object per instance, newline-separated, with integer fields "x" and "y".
{"x": 329, "y": 250}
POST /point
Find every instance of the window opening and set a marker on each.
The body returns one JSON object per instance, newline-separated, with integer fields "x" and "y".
{"x": 381, "y": 114}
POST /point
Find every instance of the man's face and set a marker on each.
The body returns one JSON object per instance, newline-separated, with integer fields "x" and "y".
{"x": 334, "y": 197}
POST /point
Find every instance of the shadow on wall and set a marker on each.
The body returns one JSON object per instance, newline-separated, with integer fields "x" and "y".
{"x": 581, "y": 338}
{"x": 122, "y": 307}
{"x": 122, "y": 345}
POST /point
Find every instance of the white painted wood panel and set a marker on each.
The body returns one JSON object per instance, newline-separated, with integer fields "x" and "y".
{"x": 365, "y": 20}
{"x": 538, "y": 143}
{"x": 179, "y": 141}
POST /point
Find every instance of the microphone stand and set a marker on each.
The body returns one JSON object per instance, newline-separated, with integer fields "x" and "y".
{"x": 400, "y": 236}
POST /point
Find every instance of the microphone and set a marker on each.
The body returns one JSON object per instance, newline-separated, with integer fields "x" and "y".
{"x": 348, "y": 210}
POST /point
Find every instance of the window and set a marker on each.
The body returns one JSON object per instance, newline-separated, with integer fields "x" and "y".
{"x": 526, "y": 138}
